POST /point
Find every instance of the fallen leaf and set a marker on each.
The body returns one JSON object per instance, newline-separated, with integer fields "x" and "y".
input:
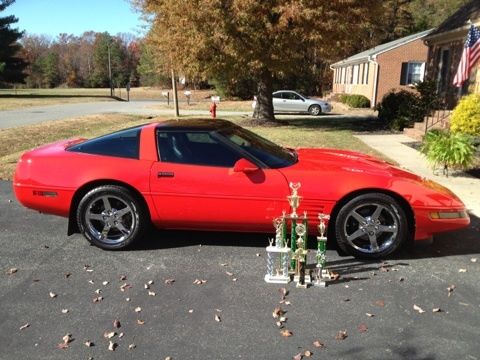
{"x": 277, "y": 312}
{"x": 283, "y": 292}
{"x": 62, "y": 346}
{"x": 380, "y": 303}
{"x": 298, "y": 357}
{"x": 199, "y": 282}
{"x": 217, "y": 318}
{"x": 334, "y": 276}
{"x": 24, "y": 326}
{"x": 146, "y": 286}
{"x": 218, "y": 310}
{"x": 286, "y": 302}
{"x": 370, "y": 315}
{"x": 168, "y": 358}
{"x": 98, "y": 291}
{"x": 88, "y": 343}
{"x": 282, "y": 319}
{"x": 450, "y": 289}
{"x": 229, "y": 273}
{"x": 473, "y": 260}
{"x": 190, "y": 311}
{"x": 97, "y": 299}
{"x": 150, "y": 282}
{"x": 120, "y": 335}
{"x": 89, "y": 270}
{"x": 307, "y": 353}
{"x": 435, "y": 310}
{"x": 105, "y": 283}
{"x": 169, "y": 281}
{"x": 67, "y": 275}
{"x": 64, "y": 311}
{"x": 52, "y": 295}
{"x": 223, "y": 264}
{"x": 127, "y": 299}
{"x": 318, "y": 344}
{"x": 91, "y": 282}
{"x": 125, "y": 287}
{"x": 362, "y": 328}
{"x": 279, "y": 324}
{"x": 66, "y": 340}
{"x": 116, "y": 324}
{"x": 140, "y": 322}
{"x": 258, "y": 254}
{"x": 418, "y": 308}
{"x": 12, "y": 271}
{"x": 151, "y": 293}
{"x": 341, "y": 335}
{"x": 112, "y": 346}
{"x": 109, "y": 334}
{"x": 286, "y": 333}
{"x": 123, "y": 277}
{"x": 234, "y": 279}
{"x": 131, "y": 346}
{"x": 462, "y": 270}
{"x": 138, "y": 309}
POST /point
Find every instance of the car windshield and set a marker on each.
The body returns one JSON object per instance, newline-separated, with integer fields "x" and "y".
{"x": 269, "y": 153}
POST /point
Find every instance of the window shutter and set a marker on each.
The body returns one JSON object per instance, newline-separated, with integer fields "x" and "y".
{"x": 404, "y": 74}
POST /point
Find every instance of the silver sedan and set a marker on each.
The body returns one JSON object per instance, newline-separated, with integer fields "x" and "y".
{"x": 291, "y": 101}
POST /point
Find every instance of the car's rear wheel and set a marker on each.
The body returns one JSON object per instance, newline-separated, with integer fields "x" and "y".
{"x": 111, "y": 217}
{"x": 371, "y": 226}
{"x": 315, "y": 110}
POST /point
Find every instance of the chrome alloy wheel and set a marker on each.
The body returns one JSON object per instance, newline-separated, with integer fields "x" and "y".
{"x": 371, "y": 227}
{"x": 109, "y": 219}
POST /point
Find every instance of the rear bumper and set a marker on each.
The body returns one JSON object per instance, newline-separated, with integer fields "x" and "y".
{"x": 46, "y": 200}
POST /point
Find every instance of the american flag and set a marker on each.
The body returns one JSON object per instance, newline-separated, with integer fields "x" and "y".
{"x": 470, "y": 55}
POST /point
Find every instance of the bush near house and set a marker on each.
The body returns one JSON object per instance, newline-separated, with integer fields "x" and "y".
{"x": 400, "y": 109}
{"x": 355, "y": 101}
{"x": 466, "y": 116}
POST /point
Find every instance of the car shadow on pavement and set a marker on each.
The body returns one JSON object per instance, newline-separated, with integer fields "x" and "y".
{"x": 460, "y": 242}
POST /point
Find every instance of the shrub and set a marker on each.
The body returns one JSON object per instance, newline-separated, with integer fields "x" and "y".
{"x": 355, "y": 101}
{"x": 398, "y": 109}
{"x": 466, "y": 116}
{"x": 448, "y": 149}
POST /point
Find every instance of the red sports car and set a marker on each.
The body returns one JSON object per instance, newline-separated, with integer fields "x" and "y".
{"x": 214, "y": 175}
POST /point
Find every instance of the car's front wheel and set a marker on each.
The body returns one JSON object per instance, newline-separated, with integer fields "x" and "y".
{"x": 315, "y": 110}
{"x": 111, "y": 217}
{"x": 371, "y": 226}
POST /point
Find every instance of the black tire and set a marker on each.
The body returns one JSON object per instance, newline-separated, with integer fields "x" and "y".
{"x": 315, "y": 110}
{"x": 111, "y": 217}
{"x": 371, "y": 226}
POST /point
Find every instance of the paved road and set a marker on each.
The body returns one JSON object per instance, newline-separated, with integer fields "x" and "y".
{"x": 30, "y": 115}
{"x": 49, "y": 261}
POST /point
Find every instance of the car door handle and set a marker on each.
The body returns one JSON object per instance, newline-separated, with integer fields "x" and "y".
{"x": 165, "y": 174}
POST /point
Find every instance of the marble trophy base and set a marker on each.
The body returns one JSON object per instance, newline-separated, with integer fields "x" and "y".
{"x": 277, "y": 279}
{"x": 323, "y": 281}
{"x": 308, "y": 281}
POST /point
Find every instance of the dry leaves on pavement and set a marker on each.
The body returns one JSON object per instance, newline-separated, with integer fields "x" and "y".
{"x": 341, "y": 335}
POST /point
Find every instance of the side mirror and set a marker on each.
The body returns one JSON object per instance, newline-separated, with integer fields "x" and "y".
{"x": 245, "y": 166}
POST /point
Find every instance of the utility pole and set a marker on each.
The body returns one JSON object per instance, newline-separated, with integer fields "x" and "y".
{"x": 110, "y": 70}
{"x": 175, "y": 95}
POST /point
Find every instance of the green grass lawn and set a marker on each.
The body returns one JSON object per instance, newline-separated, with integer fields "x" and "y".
{"x": 322, "y": 131}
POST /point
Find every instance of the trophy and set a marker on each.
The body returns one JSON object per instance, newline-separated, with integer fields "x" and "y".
{"x": 278, "y": 255}
{"x": 294, "y": 201}
{"x": 300, "y": 257}
{"x": 321, "y": 273}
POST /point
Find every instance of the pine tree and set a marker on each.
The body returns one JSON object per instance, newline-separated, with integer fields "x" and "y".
{"x": 11, "y": 66}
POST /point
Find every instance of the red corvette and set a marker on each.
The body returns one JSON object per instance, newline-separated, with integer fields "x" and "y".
{"x": 214, "y": 175}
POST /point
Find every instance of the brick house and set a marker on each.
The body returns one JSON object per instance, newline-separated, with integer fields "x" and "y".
{"x": 374, "y": 72}
{"x": 445, "y": 47}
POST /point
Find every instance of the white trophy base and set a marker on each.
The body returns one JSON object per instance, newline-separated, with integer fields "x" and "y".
{"x": 277, "y": 279}
{"x": 308, "y": 279}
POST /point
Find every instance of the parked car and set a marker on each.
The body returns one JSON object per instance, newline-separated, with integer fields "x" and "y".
{"x": 291, "y": 101}
{"x": 214, "y": 175}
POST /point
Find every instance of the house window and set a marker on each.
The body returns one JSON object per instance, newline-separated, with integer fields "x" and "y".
{"x": 365, "y": 73}
{"x": 343, "y": 75}
{"x": 412, "y": 72}
{"x": 356, "y": 69}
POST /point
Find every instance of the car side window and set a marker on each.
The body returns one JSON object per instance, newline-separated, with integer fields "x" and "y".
{"x": 125, "y": 144}
{"x": 277, "y": 96}
{"x": 291, "y": 96}
{"x": 194, "y": 148}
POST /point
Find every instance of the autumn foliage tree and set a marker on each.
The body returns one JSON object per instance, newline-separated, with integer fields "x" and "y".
{"x": 259, "y": 39}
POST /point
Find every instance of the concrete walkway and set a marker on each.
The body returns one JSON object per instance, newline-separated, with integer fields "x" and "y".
{"x": 393, "y": 146}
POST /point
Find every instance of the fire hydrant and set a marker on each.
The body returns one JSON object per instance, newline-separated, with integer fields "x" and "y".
{"x": 213, "y": 109}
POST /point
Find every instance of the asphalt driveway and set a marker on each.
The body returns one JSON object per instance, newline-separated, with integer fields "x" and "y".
{"x": 230, "y": 315}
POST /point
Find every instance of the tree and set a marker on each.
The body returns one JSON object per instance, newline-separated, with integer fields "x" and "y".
{"x": 11, "y": 66}
{"x": 256, "y": 38}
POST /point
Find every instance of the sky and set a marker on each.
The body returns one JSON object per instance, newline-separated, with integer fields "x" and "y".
{"x": 52, "y": 17}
